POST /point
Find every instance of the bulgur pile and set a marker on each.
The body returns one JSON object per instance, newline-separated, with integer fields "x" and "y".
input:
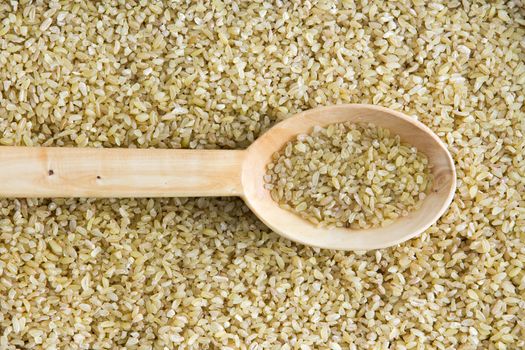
{"x": 349, "y": 175}
{"x": 205, "y": 273}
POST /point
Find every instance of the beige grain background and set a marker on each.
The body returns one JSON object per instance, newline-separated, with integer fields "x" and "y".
{"x": 205, "y": 273}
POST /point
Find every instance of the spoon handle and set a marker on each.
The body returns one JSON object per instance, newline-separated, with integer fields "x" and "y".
{"x": 118, "y": 172}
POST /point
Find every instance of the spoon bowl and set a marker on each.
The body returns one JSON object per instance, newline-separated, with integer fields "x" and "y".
{"x": 294, "y": 227}
{"x": 126, "y": 172}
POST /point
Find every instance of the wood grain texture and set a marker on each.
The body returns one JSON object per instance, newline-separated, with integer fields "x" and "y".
{"x": 297, "y": 229}
{"x": 118, "y": 172}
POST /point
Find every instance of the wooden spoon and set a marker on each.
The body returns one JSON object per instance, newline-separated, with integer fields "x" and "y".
{"x": 124, "y": 172}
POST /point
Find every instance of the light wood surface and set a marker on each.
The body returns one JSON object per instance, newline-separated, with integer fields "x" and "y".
{"x": 118, "y": 172}
{"x": 88, "y": 172}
